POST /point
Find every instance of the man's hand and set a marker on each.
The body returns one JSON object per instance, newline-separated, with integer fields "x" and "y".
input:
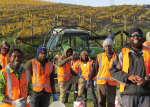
{"x": 55, "y": 98}
{"x": 134, "y": 78}
{"x": 72, "y": 57}
{"x": 18, "y": 102}
{"x": 80, "y": 76}
{"x": 141, "y": 82}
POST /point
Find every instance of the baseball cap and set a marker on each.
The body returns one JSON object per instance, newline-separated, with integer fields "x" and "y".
{"x": 4, "y": 42}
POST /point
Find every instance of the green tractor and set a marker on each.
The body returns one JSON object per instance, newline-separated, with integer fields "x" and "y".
{"x": 62, "y": 36}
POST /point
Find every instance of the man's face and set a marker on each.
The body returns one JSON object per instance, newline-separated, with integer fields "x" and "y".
{"x": 69, "y": 52}
{"x": 42, "y": 56}
{"x": 4, "y": 51}
{"x": 135, "y": 40}
{"x": 15, "y": 59}
{"x": 84, "y": 57}
{"x": 108, "y": 49}
{"x": 4, "y": 45}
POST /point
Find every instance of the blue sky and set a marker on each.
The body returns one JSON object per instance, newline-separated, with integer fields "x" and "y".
{"x": 99, "y": 3}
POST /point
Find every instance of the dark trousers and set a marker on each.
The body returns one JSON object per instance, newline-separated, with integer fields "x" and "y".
{"x": 40, "y": 99}
{"x": 106, "y": 94}
{"x": 135, "y": 101}
{"x": 75, "y": 87}
{"x": 92, "y": 93}
{"x": 75, "y": 92}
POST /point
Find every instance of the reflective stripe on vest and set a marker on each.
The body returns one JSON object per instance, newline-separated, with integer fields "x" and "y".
{"x": 111, "y": 79}
{"x": 100, "y": 66}
{"x": 147, "y": 44}
{"x": 77, "y": 65}
{"x": 35, "y": 67}
{"x": 9, "y": 83}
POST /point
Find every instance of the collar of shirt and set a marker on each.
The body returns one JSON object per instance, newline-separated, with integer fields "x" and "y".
{"x": 21, "y": 69}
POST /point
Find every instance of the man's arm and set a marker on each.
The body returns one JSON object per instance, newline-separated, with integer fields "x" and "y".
{"x": 62, "y": 62}
{"x": 116, "y": 69}
{"x": 52, "y": 81}
{"x": 73, "y": 73}
{"x": 94, "y": 71}
{"x": 29, "y": 67}
{"x": 30, "y": 88}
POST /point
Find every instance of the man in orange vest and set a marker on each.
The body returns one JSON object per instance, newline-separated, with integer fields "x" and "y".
{"x": 86, "y": 66}
{"x": 67, "y": 76}
{"x": 75, "y": 67}
{"x": 3, "y": 57}
{"x": 147, "y": 42}
{"x": 42, "y": 79}
{"x": 106, "y": 85}
{"x": 5, "y": 44}
{"x": 131, "y": 67}
{"x": 15, "y": 82}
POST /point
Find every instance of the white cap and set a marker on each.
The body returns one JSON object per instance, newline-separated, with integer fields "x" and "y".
{"x": 108, "y": 42}
{"x": 148, "y": 36}
{"x": 109, "y": 30}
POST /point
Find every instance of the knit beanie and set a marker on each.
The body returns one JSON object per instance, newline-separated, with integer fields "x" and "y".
{"x": 108, "y": 42}
{"x": 135, "y": 29}
{"x": 148, "y": 36}
{"x": 40, "y": 49}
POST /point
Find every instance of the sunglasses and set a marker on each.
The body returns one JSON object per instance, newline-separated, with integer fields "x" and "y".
{"x": 138, "y": 35}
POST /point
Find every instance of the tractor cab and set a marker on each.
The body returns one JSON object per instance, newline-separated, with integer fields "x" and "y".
{"x": 75, "y": 38}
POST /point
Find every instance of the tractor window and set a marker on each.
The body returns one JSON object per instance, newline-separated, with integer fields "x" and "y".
{"x": 77, "y": 42}
{"x": 52, "y": 43}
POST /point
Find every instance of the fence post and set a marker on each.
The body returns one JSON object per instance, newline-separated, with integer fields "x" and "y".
{"x": 32, "y": 42}
{"x": 121, "y": 39}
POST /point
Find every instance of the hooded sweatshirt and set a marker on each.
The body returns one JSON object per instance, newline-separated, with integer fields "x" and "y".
{"x": 62, "y": 62}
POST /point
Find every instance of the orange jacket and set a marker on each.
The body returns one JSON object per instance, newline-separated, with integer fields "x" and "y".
{"x": 3, "y": 60}
{"x": 75, "y": 66}
{"x": 63, "y": 72}
{"x": 103, "y": 75}
{"x": 15, "y": 89}
{"x": 40, "y": 78}
{"x": 125, "y": 65}
{"x": 86, "y": 70}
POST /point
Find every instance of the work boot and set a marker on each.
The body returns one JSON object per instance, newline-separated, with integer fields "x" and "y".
{"x": 81, "y": 99}
{"x": 66, "y": 98}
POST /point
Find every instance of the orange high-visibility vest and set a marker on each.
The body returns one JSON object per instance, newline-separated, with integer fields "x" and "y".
{"x": 63, "y": 72}
{"x": 86, "y": 69}
{"x": 15, "y": 89}
{"x": 126, "y": 64}
{"x": 146, "y": 43}
{"x": 75, "y": 66}
{"x": 3, "y": 60}
{"x": 103, "y": 75}
{"x": 40, "y": 78}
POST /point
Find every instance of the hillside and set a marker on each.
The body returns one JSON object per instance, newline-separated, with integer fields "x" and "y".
{"x": 30, "y": 20}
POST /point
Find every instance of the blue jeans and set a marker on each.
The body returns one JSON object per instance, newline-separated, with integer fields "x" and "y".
{"x": 135, "y": 101}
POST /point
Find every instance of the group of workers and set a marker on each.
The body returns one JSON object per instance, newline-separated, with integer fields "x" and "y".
{"x": 130, "y": 68}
